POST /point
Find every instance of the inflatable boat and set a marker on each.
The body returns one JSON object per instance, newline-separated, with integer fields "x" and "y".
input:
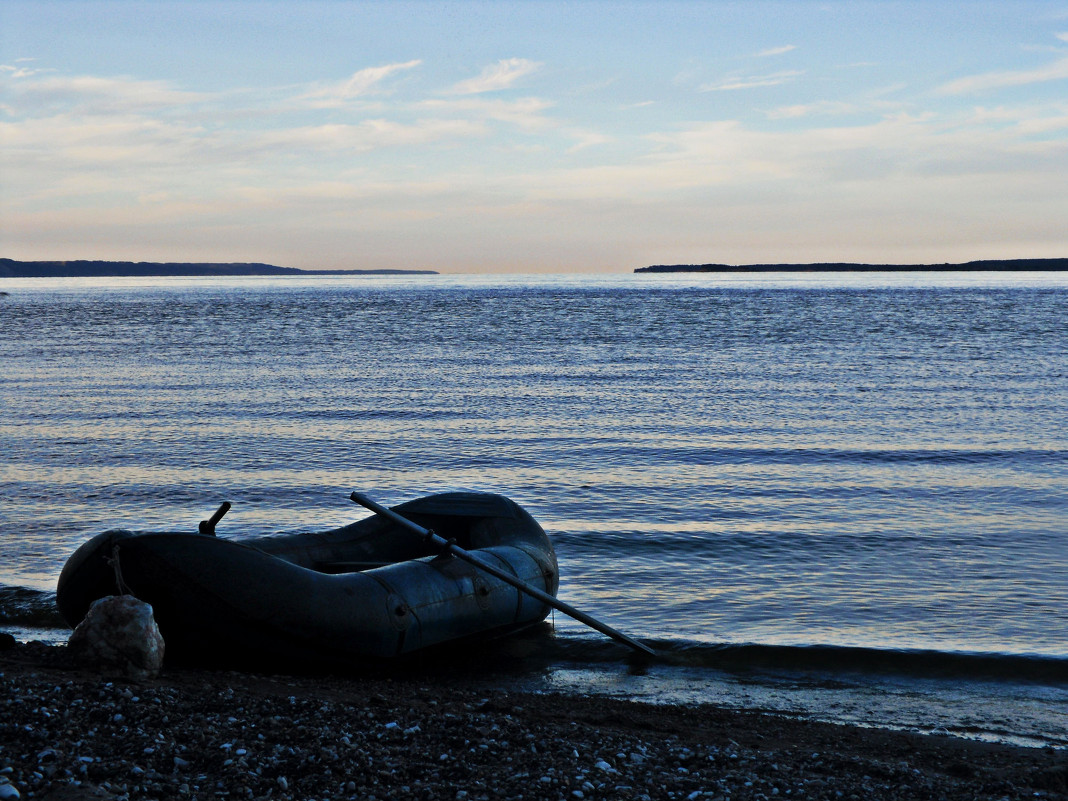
{"x": 369, "y": 591}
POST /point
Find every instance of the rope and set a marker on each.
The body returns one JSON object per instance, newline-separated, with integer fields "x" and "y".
{"x": 114, "y": 562}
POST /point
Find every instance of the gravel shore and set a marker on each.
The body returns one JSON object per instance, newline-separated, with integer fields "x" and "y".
{"x": 69, "y": 734}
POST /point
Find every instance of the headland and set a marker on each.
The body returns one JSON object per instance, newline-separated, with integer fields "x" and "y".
{"x": 10, "y": 268}
{"x": 988, "y": 265}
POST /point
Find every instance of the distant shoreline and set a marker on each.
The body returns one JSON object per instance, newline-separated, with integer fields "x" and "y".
{"x": 10, "y": 268}
{"x": 989, "y": 265}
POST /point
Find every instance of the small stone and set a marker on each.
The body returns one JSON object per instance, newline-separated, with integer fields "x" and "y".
{"x": 9, "y": 791}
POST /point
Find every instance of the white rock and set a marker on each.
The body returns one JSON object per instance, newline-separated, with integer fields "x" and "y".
{"x": 119, "y": 634}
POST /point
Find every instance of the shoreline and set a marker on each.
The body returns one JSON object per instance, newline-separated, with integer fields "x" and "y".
{"x": 66, "y": 733}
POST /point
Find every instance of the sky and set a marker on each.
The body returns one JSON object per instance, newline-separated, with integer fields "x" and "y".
{"x": 558, "y": 137}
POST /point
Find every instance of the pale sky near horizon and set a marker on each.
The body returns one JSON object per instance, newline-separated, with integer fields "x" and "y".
{"x": 533, "y": 136}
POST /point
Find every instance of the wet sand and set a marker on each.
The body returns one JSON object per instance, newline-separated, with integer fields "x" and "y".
{"x": 66, "y": 733}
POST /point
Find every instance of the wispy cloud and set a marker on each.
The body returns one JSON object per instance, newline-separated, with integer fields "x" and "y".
{"x": 1058, "y": 70}
{"x": 751, "y": 81}
{"x": 17, "y": 72}
{"x": 1062, "y": 36}
{"x": 367, "y": 135}
{"x": 587, "y": 139}
{"x": 872, "y": 103}
{"x": 95, "y": 95}
{"x": 496, "y": 77}
{"x": 821, "y": 107}
{"x": 525, "y": 113}
{"x": 360, "y": 83}
{"x": 776, "y": 51}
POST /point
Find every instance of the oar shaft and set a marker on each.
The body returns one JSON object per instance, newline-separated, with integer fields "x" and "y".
{"x": 508, "y": 578}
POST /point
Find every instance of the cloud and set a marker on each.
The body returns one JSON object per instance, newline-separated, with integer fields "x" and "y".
{"x": 17, "y": 72}
{"x": 751, "y": 82}
{"x": 1058, "y": 70}
{"x": 90, "y": 94}
{"x": 360, "y": 83}
{"x": 1062, "y": 36}
{"x": 776, "y": 51}
{"x": 587, "y": 139}
{"x": 822, "y": 107}
{"x": 729, "y": 159}
{"x": 496, "y": 77}
{"x": 367, "y": 135}
{"x": 525, "y": 113}
{"x": 872, "y": 104}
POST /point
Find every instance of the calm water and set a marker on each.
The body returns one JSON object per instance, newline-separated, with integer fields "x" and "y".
{"x": 877, "y": 464}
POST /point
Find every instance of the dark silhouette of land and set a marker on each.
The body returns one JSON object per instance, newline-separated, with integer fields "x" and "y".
{"x": 989, "y": 265}
{"x": 9, "y": 268}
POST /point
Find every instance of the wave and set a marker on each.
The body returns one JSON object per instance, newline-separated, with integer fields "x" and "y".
{"x": 756, "y": 657}
{"x": 25, "y": 607}
{"x": 809, "y": 456}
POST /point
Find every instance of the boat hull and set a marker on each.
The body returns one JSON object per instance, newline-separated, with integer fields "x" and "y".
{"x": 366, "y": 592}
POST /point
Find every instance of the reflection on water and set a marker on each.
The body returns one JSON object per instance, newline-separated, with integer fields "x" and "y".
{"x": 856, "y": 460}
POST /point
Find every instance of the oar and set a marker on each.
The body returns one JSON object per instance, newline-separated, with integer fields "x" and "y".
{"x": 534, "y": 592}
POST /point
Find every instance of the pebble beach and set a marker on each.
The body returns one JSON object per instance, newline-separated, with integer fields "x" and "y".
{"x": 68, "y": 733}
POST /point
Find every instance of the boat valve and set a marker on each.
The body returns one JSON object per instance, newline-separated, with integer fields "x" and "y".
{"x": 207, "y": 527}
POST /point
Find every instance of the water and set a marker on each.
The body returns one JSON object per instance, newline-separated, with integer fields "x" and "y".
{"x": 860, "y": 477}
